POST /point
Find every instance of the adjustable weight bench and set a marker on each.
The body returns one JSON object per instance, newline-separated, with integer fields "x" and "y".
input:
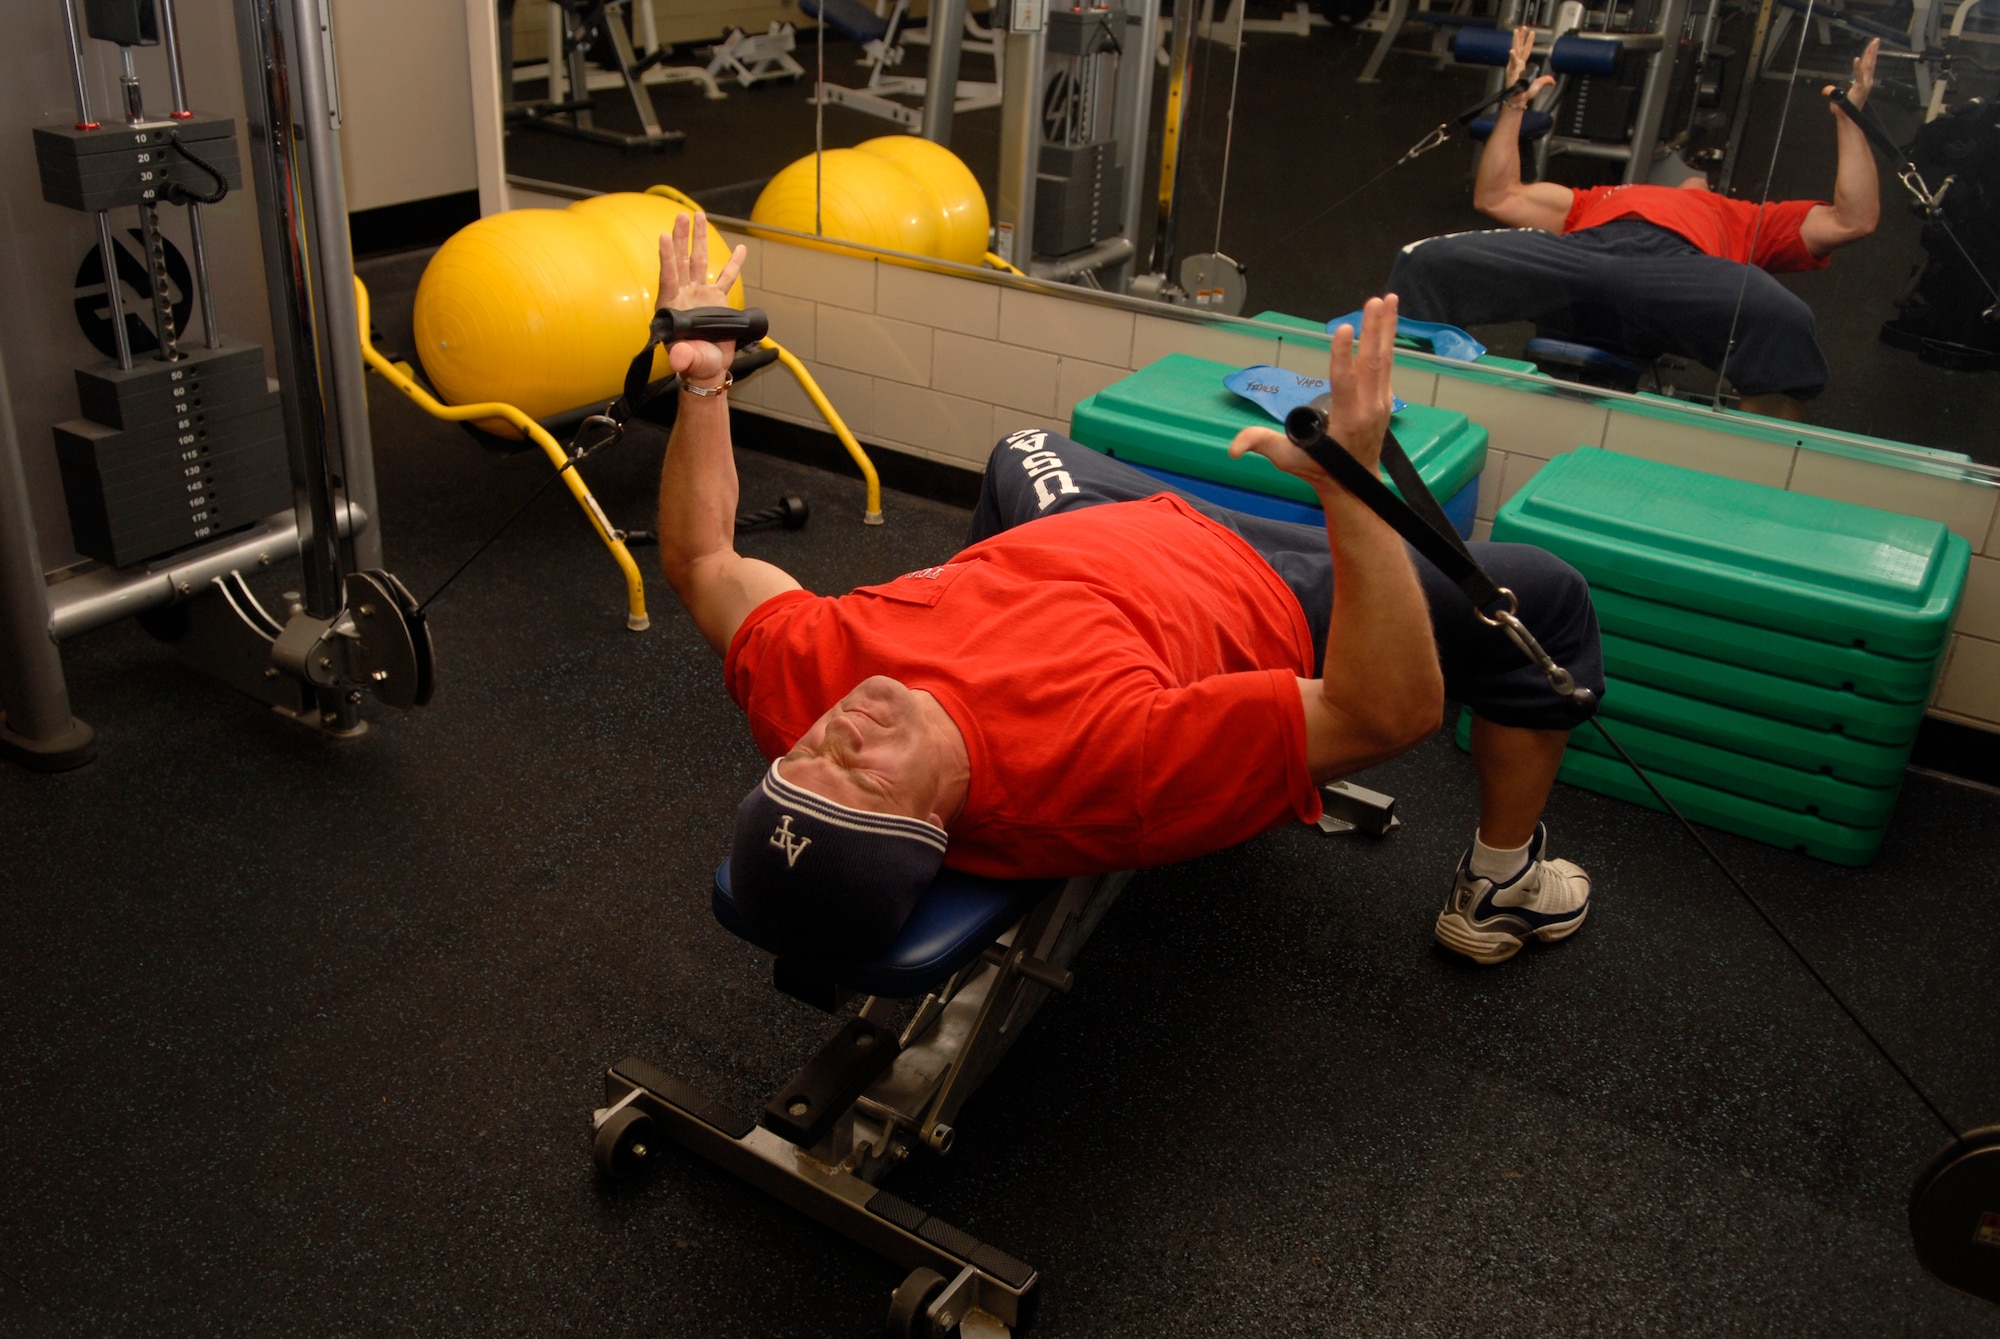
{"x": 943, "y": 1005}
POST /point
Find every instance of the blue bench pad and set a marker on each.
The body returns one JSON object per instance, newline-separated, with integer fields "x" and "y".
{"x": 850, "y": 18}
{"x": 953, "y": 923}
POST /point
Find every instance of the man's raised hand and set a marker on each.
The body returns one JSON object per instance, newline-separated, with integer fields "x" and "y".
{"x": 1517, "y": 67}
{"x": 1358, "y": 377}
{"x": 684, "y": 284}
{"x": 1863, "y": 82}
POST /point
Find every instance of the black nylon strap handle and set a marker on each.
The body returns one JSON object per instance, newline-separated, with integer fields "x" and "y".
{"x": 1871, "y": 128}
{"x": 1418, "y": 518}
{"x": 1429, "y": 534}
{"x": 1471, "y": 114}
{"x": 671, "y": 326}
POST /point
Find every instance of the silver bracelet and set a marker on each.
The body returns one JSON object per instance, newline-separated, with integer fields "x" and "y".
{"x": 728, "y": 380}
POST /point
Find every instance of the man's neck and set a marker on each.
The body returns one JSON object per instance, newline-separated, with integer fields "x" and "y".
{"x": 956, "y": 773}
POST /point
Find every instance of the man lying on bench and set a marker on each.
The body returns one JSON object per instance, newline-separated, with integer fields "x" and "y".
{"x": 1108, "y": 676}
{"x": 1646, "y": 270}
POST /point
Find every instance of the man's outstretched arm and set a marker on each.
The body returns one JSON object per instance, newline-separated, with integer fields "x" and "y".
{"x": 698, "y": 487}
{"x": 1498, "y": 192}
{"x": 1857, "y": 194}
{"x": 1381, "y": 690}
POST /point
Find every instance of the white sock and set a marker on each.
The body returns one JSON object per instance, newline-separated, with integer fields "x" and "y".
{"x": 1498, "y": 865}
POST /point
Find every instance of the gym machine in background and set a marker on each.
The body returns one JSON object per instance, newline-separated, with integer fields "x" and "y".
{"x": 1078, "y": 93}
{"x": 190, "y": 467}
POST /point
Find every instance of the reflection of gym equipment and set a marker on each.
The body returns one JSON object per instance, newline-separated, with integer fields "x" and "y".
{"x": 752, "y": 60}
{"x": 1606, "y": 103}
{"x": 575, "y": 26}
{"x": 1916, "y": 43}
{"x": 882, "y": 39}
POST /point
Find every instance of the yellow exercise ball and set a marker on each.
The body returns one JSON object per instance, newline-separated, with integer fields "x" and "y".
{"x": 544, "y": 308}
{"x": 644, "y": 218}
{"x": 862, "y": 197}
{"x": 962, "y": 233}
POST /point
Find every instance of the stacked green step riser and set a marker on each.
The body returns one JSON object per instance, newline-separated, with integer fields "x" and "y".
{"x": 1824, "y": 753}
{"x": 1888, "y": 679}
{"x": 1639, "y": 660}
{"x": 1828, "y": 571}
{"x": 1177, "y": 415}
{"x": 1786, "y": 828}
{"x": 1768, "y": 655}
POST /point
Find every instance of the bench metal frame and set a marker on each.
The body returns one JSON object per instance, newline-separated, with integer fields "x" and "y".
{"x": 946, "y": 1046}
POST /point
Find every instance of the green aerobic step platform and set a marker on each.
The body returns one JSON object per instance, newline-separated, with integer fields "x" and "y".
{"x": 1829, "y": 571}
{"x": 1768, "y": 654}
{"x": 1177, "y": 416}
{"x": 1824, "y": 710}
{"x": 1889, "y": 680}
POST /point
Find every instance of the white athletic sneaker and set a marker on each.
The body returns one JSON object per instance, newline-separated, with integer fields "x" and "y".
{"x": 1488, "y": 922}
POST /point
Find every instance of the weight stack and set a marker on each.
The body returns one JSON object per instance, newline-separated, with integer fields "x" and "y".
{"x": 1079, "y": 196}
{"x": 1769, "y": 655}
{"x": 172, "y": 454}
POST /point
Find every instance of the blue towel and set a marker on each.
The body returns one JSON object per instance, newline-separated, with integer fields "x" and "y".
{"x": 1446, "y": 341}
{"x": 1278, "y": 392}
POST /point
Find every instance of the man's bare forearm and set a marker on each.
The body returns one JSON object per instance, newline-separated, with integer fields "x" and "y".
{"x": 698, "y": 490}
{"x": 1381, "y": 671}
{"x": 1499, "y": 162}
{"x": 1857, "y": 192}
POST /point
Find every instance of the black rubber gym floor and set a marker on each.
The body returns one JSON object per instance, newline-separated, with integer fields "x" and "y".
{"x": 303, "y": 1036}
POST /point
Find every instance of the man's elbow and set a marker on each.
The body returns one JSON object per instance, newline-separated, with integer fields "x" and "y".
{"x": 1407, "y": 718}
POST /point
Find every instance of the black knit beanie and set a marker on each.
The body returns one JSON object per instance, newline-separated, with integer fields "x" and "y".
{"x": 816, "y": 877}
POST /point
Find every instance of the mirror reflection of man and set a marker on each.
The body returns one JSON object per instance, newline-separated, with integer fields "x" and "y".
{"x": 1646, "y": 270}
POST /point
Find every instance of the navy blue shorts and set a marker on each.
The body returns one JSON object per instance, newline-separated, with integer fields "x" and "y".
{"x": 1628, "y": 286}
{"x": 1033, "y": 474}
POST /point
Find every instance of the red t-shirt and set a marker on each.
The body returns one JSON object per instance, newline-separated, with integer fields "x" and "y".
{"x": 1126, "y": 678}
{"x": 1716, "y": 224}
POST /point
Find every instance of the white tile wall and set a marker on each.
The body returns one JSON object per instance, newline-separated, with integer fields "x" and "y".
{"x": 804, "y": 272}
{"x": 941, "y": 300}
{"x": 852, "y": 395}
{"x": 1971, "y": 686}
{"x": 1966, "y": 507}
{"x": 793, "y": 320}
{"x": 1993, "y": 537}
{"x": 1491, "y": 480}
{"x": 1979, "y": 611}
{"x": 1073, "y": 329}
{"x": 948, "y": 427}
{"x": 1695, "y": 448}
{"x": 1518, "y": 470}
{"x": 1000, "y": 373}
{"x": 1077, "y": 379}
{"x": 1154, "y": 337}
{"x": 1541, "y": 426}
{"x": 877, "y": 345}
{"x": 1007, "y": 420}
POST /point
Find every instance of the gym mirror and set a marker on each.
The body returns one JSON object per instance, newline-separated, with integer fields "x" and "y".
{"x": 1306, "y": 154}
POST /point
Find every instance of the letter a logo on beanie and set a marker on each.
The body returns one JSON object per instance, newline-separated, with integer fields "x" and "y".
{"x": 791, "y": 843}
{"x": 866, "y": 874}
